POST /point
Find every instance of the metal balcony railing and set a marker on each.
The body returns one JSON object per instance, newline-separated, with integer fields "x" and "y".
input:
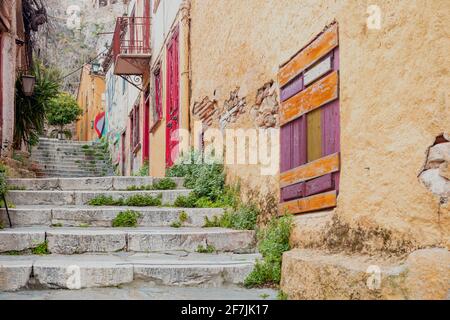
{"x": 131, "y": 37}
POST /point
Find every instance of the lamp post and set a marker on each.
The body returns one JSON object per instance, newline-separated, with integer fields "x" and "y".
{"x": 28, "y": 83}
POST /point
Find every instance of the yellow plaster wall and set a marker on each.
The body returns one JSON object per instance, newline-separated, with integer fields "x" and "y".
{"x": 394, "y": 94}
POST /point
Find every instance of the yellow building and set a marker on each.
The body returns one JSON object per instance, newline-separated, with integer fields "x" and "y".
{"x": 90, "y": 98}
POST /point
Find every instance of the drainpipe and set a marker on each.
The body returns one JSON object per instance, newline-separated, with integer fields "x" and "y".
{"x": 185, "y": 80}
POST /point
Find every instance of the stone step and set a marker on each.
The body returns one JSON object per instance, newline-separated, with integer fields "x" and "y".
{"x": 52, "y": 161}
{"x": 85, "y": 166}
{"x": 89, "y": 271}
{"x": 57, "y": 197}
{"x": 86, "y": 183}
{"x": 69, "y": 241}
{"x": 74, "y": 216}
{"x": 72, "y": 173}
{"x": 321, "y": 275}
{"x": 57, "y": 141}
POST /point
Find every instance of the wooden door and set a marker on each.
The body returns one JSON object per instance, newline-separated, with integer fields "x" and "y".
{"x": 146, "y": 129}
{"x": 172, "y": 100}
{"x": 310, "y": 128}
{"x": 123, "y": 152}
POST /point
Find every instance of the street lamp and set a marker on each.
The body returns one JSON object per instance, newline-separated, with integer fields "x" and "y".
{"x": 28, "y": 83}
{"x": 95, "y": 67}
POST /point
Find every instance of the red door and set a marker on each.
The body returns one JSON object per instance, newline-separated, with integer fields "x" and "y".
{"x": 146, "y": 142}
{"x": 172, "y": 101}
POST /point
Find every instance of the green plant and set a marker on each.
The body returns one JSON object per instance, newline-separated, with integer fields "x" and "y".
{"x": 127, "y": 219}
{"x": 205, "y": 179}
{"x": 140, "y": 200}
{"x": 182, "y": 218}
{"x": 281, "y": 295}
{"x": 103, "y": 200}
{"x": 186, "y": 201}
{"x": 62, "y": 110}
{"x": 83, "y": 225}
{"x": 1, "y": 225}
{"x": 264, "y": 296}
{"x": 41, "y": 249}
{"x": 144, "y": 170}
{"x": 244, "y": 218}
{"x": 29, "y": 118}
{"x": 57, "y": 225}
{"x": 208, "y": 249}
{"x": 273, "y": 241}
{"x": 164, "y": 184}
{"x": 3, "y": 181}
{"x": 176, "y": 224}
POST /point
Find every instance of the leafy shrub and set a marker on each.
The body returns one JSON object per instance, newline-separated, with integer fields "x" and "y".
{"x": 186, "y": 201}
{"x": 126, "y": 219}
{"x": 206, "y": 180}
{"x": 143, "y": 171}
{"x": 208, "y": 249}
{"x": 164, "y": 184}
{"x": 30, "y": 112}
{"x": 244, "y": 218}
{"x": 3, "y": 181}
{"x": 273, "y": 241}
{"x": 140, "y": 200}
{"x": 103, "y": 200}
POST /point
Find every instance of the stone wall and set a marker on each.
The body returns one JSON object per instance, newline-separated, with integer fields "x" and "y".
{"x": 393, "y": 93}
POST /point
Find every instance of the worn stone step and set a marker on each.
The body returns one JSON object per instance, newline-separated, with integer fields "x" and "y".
{"x": 89, "y": 271}
{"x": 88, "y": 183}
{"x": 80, "y": 197}
{"x": 74, "y": 216}
{"x": 68, "y": 175}
{"x": 322, "y": 275}
{"x": 71, "y": 174}
{"x": 53, "y": 161}
{"x": 86, "y": 166}
{"x": 57, "y": 141}
{"x": 105, "y": 240}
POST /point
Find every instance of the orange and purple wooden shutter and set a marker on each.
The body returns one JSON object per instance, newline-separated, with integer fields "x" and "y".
{"x": 310, "y": 126}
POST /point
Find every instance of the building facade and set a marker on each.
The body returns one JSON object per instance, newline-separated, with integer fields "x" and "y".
{"x": 12, "y": 61}
{"x": 91, "y": 98}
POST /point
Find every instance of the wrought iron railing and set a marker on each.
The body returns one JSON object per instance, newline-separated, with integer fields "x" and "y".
{"x": 131, "y": 36}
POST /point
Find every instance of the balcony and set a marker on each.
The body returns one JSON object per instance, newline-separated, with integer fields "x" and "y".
{"x": 131, "y": 46}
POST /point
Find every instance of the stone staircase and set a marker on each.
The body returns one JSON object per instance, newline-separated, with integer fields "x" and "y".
{"x": 61, "y": 158}
{"x": 86, "y": 252}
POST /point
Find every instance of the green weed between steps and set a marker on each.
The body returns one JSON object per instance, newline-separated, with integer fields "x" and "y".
{"x": 182, "y": 218}
{"x": 273, "y": 241}
{"x": 1, "y": 225}
{"x": 41, "y": 249}
{"x": 127, "y": 219}
{"x": 208, "y": 249}
{"x": 137, "y": 200}
{"x": 163, "y": 184}
{"x": 243, "y": 218}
